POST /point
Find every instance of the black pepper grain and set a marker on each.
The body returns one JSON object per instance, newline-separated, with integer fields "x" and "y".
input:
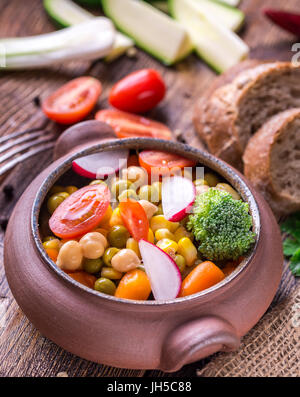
{"x": 8, "y": 191}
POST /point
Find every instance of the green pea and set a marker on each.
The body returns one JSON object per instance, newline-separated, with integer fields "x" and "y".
{"x": 54, "y": 201}
{"x": 97, "y": 182}
{"x": 48, "y": 238}
{"x": 111, "y": 273}
{"x": 145, "y": 192}
{"x": 211, "y": 179}
{"x": 105, "y": 286}
{"x": 118, "y": 186}
{"x": 92, "y": 266}
{"x": 71, "y": 189}
{"x": 63, "y": 194}
{"x": 56, "y": 189}
{"x": 108, "y": 255}
{"x": 180, "y": 262}
{"x": 200, "y": 182}
{"x": 156, "y": 190}
{"x": 128, "y": 193}
{"x": 117, "y": 236}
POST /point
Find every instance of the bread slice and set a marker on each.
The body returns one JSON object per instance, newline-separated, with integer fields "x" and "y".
{"x": 229, "y": 114}
{"x": 272, "y": 161}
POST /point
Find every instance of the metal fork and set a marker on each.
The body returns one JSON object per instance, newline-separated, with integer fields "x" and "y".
{"x": 19, "y": 146}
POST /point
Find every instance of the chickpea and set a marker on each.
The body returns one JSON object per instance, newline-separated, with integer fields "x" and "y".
{"x": 70, "y": 256}
{"x": 126, "y": 194}
{"x": 125, "y": 260}
{"x": 227, "y": 188}
{"x": 157, "y": 186}
{"x": 149, "y": 208}
{"x": 136, "y": 175}
{"x": 93, "y": 245}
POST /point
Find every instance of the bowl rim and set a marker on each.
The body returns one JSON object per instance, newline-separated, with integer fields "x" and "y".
{"x": 202, "y": 157}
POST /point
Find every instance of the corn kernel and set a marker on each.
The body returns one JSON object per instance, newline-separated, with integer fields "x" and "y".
{"x": 133, "y": 245}
{"x": 116, "y": 218}
{"x": 164, "y": 233}
{"x": 150, "y": 236}
{"x": 160, "y": 222}
{"x": 187, "y": 249}
{"x": 182, "y": 232}
{"x": 53, "y": 244}
{"x": 106, "y": 217}
{"x": 167, "y": 245}
{"x": 180, "y": 262}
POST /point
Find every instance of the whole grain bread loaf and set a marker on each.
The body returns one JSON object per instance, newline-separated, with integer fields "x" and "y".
{"x": 272, "y": 161}
{"x": 238, "y": 104}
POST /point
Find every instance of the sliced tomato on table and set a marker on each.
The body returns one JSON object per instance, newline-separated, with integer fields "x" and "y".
{"x": 73, "y": 101}
{"x": 162, "y": 163}
{"x": 127, "y": 125}
{"x": 138, "y": 92}
{"x": 81, "y": 212}
{"x": 135, "y": 219}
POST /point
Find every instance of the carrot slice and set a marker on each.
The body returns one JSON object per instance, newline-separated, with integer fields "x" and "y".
{"x": 205, "y": 275}
{"x": 84, "y": 278}
{"x": 134, "y": 285}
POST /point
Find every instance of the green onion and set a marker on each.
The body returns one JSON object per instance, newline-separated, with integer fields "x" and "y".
{"x": 88, "y": 40}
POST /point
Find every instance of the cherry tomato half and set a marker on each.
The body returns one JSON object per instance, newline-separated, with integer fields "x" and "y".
{"x": 73, "y": 101}
{"x": 127, "y": 125}
{"x": 163, "y": 162}
{"x": 135, "y": 219}
{"x": 138, "y": 92}
{"x": 81, "y": 212}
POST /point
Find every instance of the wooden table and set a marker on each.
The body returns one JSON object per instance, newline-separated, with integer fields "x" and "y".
{"x": 23, "y": 350}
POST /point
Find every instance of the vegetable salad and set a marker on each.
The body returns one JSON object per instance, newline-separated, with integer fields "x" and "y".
{"x": 106, "y": 234}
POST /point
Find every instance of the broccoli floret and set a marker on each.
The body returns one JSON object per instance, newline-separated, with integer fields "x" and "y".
{"x": 221, "y": 225}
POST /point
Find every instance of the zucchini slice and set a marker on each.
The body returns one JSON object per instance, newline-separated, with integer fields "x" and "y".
{"x": 151, "y": 29}
{"x": 216, "y": 44}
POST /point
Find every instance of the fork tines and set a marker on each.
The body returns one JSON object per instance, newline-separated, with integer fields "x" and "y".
{"x": 19, "y": 146}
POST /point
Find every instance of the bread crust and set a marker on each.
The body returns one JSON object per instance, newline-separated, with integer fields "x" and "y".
{"x": 217, "y": 111}
{"x": 257, "y": 162}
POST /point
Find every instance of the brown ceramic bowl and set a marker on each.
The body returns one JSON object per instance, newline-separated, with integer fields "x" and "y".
{"x": 140, "y": 334}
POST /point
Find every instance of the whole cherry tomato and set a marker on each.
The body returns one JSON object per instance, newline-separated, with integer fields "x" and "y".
{"x": 138, "y": 92}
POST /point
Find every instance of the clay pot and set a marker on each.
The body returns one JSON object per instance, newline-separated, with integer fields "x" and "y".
{"x": 138, "y": 334}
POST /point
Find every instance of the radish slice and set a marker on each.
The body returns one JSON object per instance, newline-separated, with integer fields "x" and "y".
{"x": 163, "y": 273}
{"x": 101, "y": 164}
{"x": 178, "y": 196}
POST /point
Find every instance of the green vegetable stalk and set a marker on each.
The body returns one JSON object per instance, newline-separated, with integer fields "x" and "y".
{"x": 221, "y": 225}
{"x": 291, "y": 245}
